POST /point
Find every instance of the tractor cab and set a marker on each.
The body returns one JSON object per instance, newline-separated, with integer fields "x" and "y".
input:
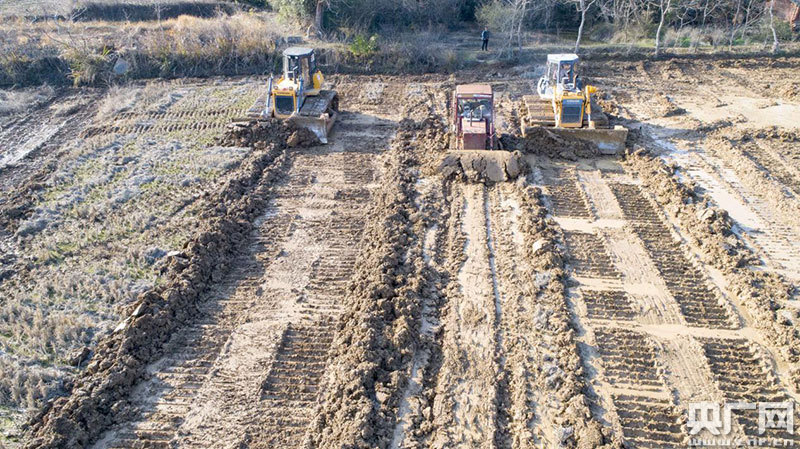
{"x": 300, "y": 79}
{"x": 474, "y": 117}
{"x": 561, "y": 74}
{"x": 299, "y": 63}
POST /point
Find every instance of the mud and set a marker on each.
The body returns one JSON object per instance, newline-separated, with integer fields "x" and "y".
{"x": 376, "y": 337}
{"x": 372, "y": 302}
{"x": 560, "y": 366}
{"x": 540, "y": 141}
{"x": 99, "y": 396}
{"x": 258, "y": 134}
{"x": 764, "y": 294}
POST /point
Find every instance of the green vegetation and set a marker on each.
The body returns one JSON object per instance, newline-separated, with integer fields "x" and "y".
{"x": 363, "y": 47}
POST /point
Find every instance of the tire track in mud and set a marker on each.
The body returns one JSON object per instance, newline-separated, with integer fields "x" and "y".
{"x": 757, "y": 220}
{"x": 249, "y": 370}
{"x": 518, "y": 401}
{"x": 648, "y": 355}
{"x": 466, "y": 408}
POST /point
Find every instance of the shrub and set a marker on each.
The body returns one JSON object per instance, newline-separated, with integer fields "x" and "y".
{"x": 86, "y": 65}
{"x": 363, "y": 47}
{"x": 14, "y": 66}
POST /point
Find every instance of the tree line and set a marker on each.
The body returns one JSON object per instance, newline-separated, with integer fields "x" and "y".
{"x": 685, "y": 23}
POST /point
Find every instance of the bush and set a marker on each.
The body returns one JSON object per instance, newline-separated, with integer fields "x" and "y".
{"x": 601, "y": 32}
{"x": 495, "y": 15}
{"x": 86, "y": 65}
{"x": 14, "y": 66}
{"x": 687, "y": 37}
{"x": 363, "y": 47}
{"x": 633, "y": 33}
{"x": 764, "y": 32}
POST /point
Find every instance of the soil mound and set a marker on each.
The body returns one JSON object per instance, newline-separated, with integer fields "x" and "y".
{"x": 543, "y": 142}
{"x": 483, "y": 166}
{"x": 258, "y": 134}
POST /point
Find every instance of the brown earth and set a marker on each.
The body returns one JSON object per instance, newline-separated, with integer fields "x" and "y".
{"x": 351, "y": 295}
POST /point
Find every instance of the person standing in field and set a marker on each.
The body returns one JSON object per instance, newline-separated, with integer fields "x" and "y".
{"x": 485, "y": 39}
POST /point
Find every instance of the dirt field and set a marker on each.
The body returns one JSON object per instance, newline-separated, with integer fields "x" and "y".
{"x": 162, "y": 288}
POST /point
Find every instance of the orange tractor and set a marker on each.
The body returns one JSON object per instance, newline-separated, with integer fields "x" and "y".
{"x": 473, "y": 117}
{"x": 474, "y": 145}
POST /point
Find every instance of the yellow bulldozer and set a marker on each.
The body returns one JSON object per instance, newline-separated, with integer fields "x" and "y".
{"x": 565, "y": 106}
{"x": 297, "y": 96}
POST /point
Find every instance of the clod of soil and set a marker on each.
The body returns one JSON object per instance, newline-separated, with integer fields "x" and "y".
{"x": 483, "y": 166}
{"x": 668, "y": 108}
{"x": 543, "y": 142}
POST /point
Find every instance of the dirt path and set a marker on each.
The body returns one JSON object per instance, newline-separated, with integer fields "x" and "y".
{"x": 467, "y": 382}
{"x": 248, "y": 371}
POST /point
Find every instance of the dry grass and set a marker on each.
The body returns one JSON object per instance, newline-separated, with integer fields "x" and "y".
{"x": 15, "y": 101}
{"x": 100, "y": 229}
{"x": 117, "y": 99}
{"x": 85, "y": 52}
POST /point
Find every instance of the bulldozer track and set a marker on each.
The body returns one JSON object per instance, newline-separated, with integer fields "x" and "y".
{"x": 763, "y": 228}
{"x": 627, "y": 360}
{"x": 608, "y": 305}
{"x": 566, "y": 196}
{"x": 630, "y": 362}
{"x": 645, "y": 377}
{"x": 739, "y": 368}
{"x": 775, "y": 167}
{"x": 589, "y": 256}
{"x": 700, "y": 305}
{"x": 249, "y": 369}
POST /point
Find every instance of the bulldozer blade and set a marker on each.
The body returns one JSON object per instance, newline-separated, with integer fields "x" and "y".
{"x": 320, "y": 126}
{"x": 609, "y": 141}
{"x": 483, "y": 165}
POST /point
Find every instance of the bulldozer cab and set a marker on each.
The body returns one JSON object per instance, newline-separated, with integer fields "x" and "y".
{"x": 474, "y": 117}
{"x": 562, "y": 70}
{"x": 299, "y": 63}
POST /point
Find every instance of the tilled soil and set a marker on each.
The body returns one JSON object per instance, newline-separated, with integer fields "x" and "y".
{"x": 370, "y": 302}
{"x": 277, "y": 310}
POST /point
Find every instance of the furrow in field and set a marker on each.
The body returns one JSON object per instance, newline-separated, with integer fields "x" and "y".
{"x": 250, "y": 370}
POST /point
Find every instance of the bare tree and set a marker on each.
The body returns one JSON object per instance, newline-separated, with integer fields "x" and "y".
{"x": 319, "y": 14}
{"x": 520, "y": 12}
{"x": 582, "y": 7}
{"x": 775, "y": 43}
{"x": 158, "y": 8}
{"x": 508, "y": 18}
{"x": 664, "y": 6}
{"x": 734, "y": 21}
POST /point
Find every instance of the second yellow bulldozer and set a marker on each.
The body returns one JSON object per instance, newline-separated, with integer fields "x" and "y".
{"x": 298, "y": 96}
{"x": 565, "y": 106}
